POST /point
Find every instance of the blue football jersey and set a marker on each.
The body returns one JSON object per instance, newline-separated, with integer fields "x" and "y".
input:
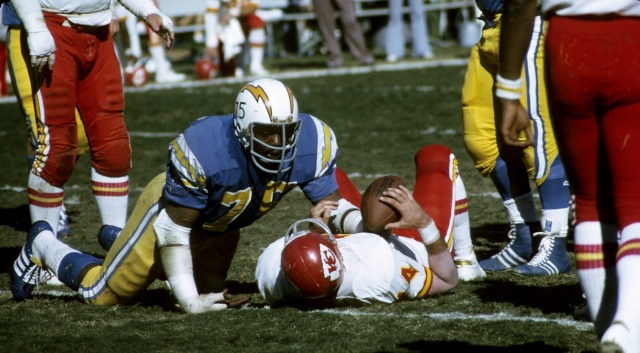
{"x": 209, "y": 170}
{"x": 490, "y": 6}
{"x": 9, "y": 16}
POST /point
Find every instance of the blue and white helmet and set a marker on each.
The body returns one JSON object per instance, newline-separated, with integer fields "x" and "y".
{"x": 264, "y": 105}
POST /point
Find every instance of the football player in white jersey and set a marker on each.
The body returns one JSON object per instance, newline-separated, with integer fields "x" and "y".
{"x": 592, "y": 51}
{"x": 308, "y": 270}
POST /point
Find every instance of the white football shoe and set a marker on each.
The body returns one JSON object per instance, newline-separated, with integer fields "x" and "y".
{"x": 619, "y": 339}
{"x": 169, "y": 76}
{"x": 469, "y": 270}
{"x": 48, "y": 278}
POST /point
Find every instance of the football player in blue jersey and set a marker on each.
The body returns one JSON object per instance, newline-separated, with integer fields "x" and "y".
{"x": 223, "y": 173}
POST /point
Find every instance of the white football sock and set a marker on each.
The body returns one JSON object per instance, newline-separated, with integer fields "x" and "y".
{"x": 45, "y": 201}
{"x": 556, "y": 222}
{"x": 628, "y": 263}
{"x": 50, "y": 251}
{"x": 462, "y": 244}
{"x": 526, "y": 207}
{"x": 112, "y": 196}
{"x": 597, "y": 281}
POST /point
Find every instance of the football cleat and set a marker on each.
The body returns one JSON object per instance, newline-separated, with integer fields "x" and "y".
{"x": 48, "y": 278}
{"x": 516, "y": 253}
{"x": 552, "y": 258}
{"x": 169, "y": 76}
{"x": 619, "y": 339}
{"x": 469, "y": 270}
{"x": 26, "y": 268}
{"x": 107, "y": 235}
{"x": 258, "y": 70}
{"x": 63, "y": 223}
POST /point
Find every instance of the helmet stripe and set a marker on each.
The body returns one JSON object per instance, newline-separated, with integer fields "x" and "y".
{"x": 257, "y": 93}
{"x": 291, "y": 99}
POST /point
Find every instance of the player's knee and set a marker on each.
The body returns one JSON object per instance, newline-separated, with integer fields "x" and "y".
{"x": 59, "y": 166}
{"x": 114, "y": 158}
{"x": 433, "y": 157}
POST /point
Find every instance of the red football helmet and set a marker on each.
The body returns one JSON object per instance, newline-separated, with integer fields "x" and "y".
{"x": 311, "y": 262}
{"x": 136, "y": 75}
{"x": 206, "y": 69}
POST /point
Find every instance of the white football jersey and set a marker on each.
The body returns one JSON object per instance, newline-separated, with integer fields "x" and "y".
{"x": 376, "y": 270}
{"x": 86, "y": 12}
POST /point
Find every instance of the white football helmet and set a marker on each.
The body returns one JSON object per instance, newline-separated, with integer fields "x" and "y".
{"x": 311, "y": 262}
{"x": 266, "y": 107}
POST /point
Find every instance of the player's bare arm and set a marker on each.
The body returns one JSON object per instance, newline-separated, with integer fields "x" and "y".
{"x": 514, "y": 123}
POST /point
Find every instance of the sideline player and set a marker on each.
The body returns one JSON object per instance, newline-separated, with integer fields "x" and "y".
{"x": 380, "y": 267}
{"x": 223, "y": 173}
{"x": 511, "y": 169}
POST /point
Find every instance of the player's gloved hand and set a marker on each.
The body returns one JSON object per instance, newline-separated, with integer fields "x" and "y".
{"x": 162, "y": 25}
{"x": 212, "y": 302}
{"x": 42, "y": 49}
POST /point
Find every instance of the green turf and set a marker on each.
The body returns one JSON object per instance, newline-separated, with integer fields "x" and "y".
{"x": 380, "y": 120}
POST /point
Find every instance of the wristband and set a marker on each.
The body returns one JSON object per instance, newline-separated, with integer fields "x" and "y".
{"x": 429, "y": 233}
{"x": 508, "y": 89}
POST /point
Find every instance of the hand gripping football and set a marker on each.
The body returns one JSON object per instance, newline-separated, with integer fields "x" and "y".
{"x": 375, "y": 213}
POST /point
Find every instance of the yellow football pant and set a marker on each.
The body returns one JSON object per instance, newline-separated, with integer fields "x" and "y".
{"x": 478, "y": 109}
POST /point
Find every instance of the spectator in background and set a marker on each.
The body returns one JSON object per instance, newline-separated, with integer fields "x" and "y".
{"x": 158, "y": 63}
{"x": 395, "y": 36}
{"x": 325, "y": 11}
{"x": 592, "y": 64}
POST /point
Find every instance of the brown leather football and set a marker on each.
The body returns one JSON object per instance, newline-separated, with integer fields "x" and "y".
{"x": 376, "y": 214}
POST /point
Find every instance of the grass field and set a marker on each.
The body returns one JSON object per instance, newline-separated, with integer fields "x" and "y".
{"x": 381, "y": 119}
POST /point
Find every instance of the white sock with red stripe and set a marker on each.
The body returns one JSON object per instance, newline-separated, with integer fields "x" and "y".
{"x": 595, "y": 249}
{"x": 627, "y": 265}
{"x": 112, "y": 196}
{"x": 462, "y": 245}
{"x": 45, "y": 201}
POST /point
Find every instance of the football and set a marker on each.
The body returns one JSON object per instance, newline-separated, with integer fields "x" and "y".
{"x": 375, "y": 213}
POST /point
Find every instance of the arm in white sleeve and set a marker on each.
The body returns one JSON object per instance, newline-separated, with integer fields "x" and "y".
{"x": 140, "y": 8}
{"x": 347, "y": 219}
{"x": 175, "y": 255}
{"x": 39, "y": 38}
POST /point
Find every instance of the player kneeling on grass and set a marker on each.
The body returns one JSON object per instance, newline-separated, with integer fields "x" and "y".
{"x": 306, "y": 269}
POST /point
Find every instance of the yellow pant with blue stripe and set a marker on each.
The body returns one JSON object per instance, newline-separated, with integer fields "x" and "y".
{"x": 133, "y": 261}
{"x": 478, "y": 106}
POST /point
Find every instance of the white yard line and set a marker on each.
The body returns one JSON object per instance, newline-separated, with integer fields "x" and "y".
{"x": 455, "y": 316}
